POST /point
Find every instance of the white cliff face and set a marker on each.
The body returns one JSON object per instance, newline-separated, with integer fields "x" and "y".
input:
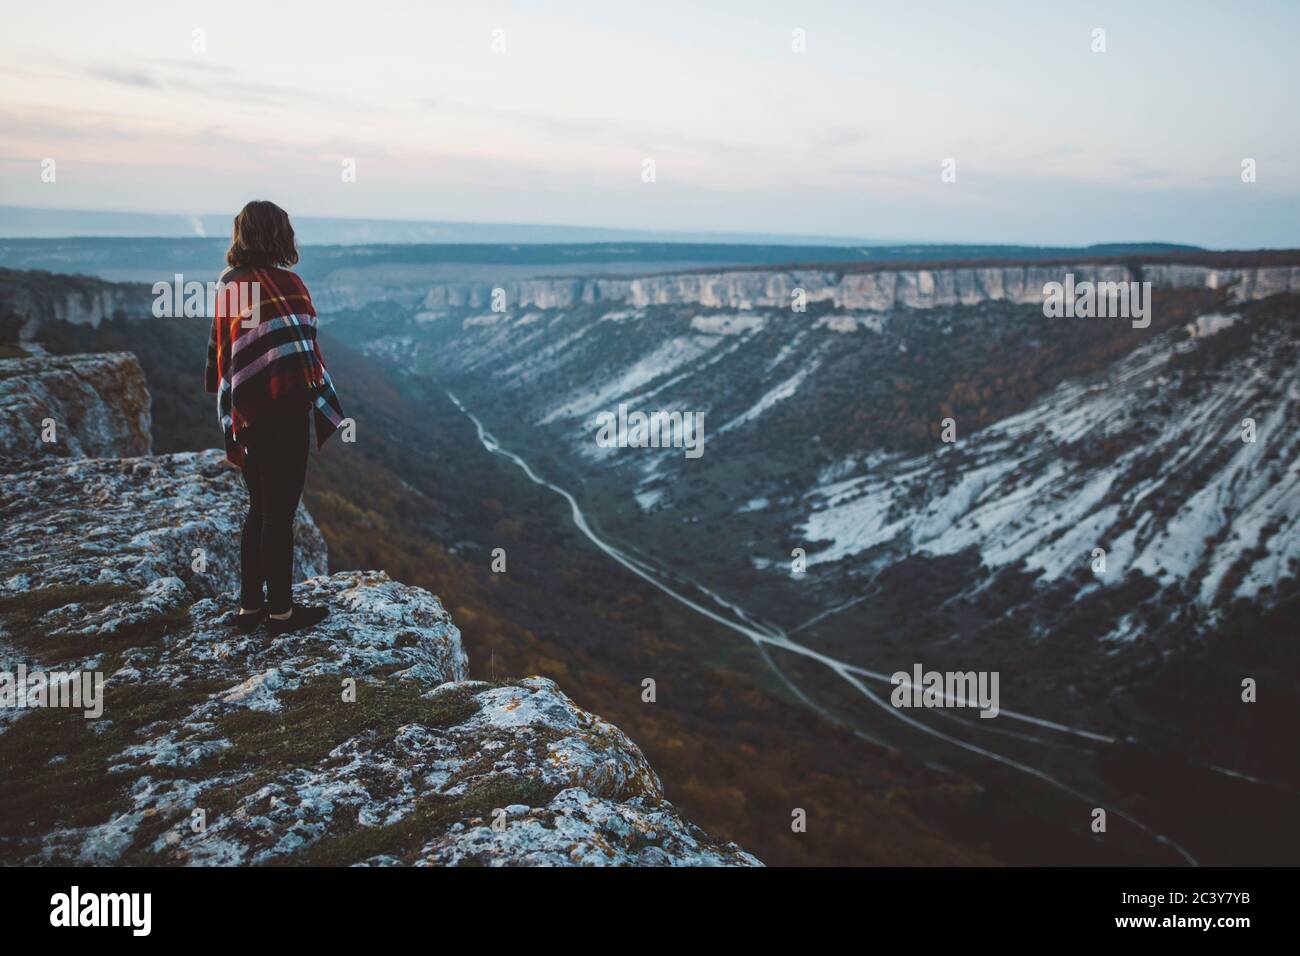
{"x": 79, "y": 300}
{"x": 1151, "y": 462}
{"x": 358, "y": 741}
{"x": 91, "y": 405}
{"x": 875, "y": 291}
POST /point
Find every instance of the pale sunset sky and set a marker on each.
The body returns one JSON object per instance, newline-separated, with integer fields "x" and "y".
{"x": 1052, "y": 142}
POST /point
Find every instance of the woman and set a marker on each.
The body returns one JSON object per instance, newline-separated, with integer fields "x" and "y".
{"x": 267, "y": 371}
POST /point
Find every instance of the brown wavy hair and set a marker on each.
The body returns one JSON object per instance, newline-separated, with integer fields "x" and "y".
{"x": 263, "y": 237}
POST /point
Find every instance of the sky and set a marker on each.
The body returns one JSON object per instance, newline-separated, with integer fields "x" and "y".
{"x": 546, "y": 112}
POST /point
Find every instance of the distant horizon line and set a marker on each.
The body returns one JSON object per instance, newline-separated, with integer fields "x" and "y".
{"x": 504, "y": 224}
{"x": 629, "y": 233}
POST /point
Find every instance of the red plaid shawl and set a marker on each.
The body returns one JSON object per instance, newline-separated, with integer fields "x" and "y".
{"x": 263, "y": 350}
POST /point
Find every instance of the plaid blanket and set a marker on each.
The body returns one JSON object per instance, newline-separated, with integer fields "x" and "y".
{"x": 263, "y": 351}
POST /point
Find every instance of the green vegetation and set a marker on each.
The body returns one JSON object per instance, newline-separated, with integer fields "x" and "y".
{"x": 313, "y": 720}
{"x": 21, "y": 613}
{"x": 55, "y": 764}
{"x": 432, "y": 815}
{"x": 55, "y": 767}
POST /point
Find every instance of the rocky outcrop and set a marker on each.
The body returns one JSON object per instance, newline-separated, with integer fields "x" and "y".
{"x": 34, "y": 298}
{"x": 160, "y": 525}
{"x": 874, "y": 291}
{"x": 72, "y": 407}
{"x": 357, "y": 742}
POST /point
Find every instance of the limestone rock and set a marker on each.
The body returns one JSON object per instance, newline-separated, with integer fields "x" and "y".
{"x": 128, "y": 523}
{"x": 357, "y": 741}
{"x": 99, "y": 406}
{"x": 35, "y": 298}
{"x": 874, "y": 291}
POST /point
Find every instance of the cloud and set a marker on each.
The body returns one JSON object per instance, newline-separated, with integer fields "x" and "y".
{"x": 838, "y": 137}
{"x": 598, "y": 130}
{"x": 115, "y": 74}
{"x": 179, "y": 77}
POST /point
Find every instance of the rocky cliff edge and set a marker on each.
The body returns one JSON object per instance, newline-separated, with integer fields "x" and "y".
{"x": 357, "y": 742}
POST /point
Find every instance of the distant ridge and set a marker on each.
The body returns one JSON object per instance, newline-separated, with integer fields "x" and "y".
{"x": 34, "y": 223}
{"x": 150, "y": 259}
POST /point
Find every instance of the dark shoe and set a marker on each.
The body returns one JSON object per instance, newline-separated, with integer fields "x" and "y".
{"x": 245, "y": 622}
{"x": 302, "y": 617}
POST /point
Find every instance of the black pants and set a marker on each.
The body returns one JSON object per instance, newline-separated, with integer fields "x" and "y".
{"x": 275, "y": 468}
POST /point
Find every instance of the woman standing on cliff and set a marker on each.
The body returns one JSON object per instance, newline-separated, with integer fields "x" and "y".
{"x": 266, "y": 368}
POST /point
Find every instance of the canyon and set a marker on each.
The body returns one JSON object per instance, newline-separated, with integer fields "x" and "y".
{"x": 971, "y": 547}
